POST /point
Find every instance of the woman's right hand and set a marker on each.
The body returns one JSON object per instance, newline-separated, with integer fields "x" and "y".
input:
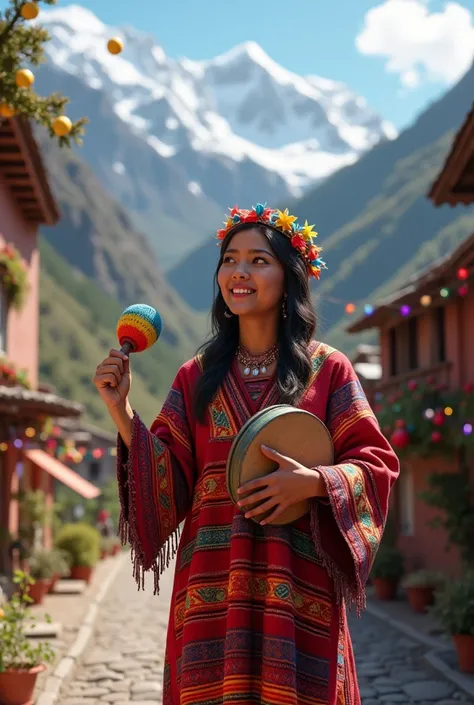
{"x": 113, "y": 379}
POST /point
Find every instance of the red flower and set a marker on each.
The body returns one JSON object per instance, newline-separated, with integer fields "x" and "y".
{"x": 252, "y": 217}
{"x": 234, "y": 211}
{"x": 298, "y": 243}
{"x": 469, "y": 388}
{"x": 436, "y": 437}
{"x": 221, "y": 233}
{"x": 412, "y": 385}
{"x": 313, "y": 252}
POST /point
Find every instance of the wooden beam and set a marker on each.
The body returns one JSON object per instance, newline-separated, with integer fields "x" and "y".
{"x": 8, "y": 153}
{"x": 16, "y": 179}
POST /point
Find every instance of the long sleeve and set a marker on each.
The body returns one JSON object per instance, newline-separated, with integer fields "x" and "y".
{"x": 156, "y": 483}
{"x": 347, "y": 529}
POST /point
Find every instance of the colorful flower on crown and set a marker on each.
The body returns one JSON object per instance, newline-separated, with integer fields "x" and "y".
{"x": 301, "y": 236}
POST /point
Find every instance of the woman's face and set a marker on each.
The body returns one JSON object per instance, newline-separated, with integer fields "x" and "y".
{"x": 251, "y": 278}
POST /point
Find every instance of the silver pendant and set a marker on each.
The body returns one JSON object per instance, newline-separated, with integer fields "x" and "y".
{"x": 255, "y": 372}
{"x": 263, "y": 369}
{"x": 247, "y": 371}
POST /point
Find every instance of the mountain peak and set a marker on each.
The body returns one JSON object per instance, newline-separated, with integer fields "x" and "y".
{"x": 77, "y": 18}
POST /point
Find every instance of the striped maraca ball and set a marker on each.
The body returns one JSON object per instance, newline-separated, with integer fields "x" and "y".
{"x": 140, "y": 325}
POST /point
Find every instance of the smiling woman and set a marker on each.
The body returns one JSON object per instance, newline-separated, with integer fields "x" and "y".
{"x": 258, "y": 612}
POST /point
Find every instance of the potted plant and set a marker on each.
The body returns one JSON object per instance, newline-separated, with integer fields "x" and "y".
{"x": 60, "y": 565}
{"x": 82, "y": 543}
{"x": 20, "y": 659}
{"x": 115, "y": 546}
{"x": 420, "y": 587}
{"x": 105, "y": 547}
{"x": 454, "y": 609}
{"x": 386, "y": 572}
{"x": 40, "y": 568}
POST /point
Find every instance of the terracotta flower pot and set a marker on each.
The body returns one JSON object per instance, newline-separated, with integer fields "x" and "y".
{"x": 464, "y": 644}
{"x": 82, "y": 572}
{"x": 38, "y": 591}
{"x": 16, "y": 687}
{"x": 385, "y": 588}
{"x": 420, "y": 597}
{"x": 53, "y": 581}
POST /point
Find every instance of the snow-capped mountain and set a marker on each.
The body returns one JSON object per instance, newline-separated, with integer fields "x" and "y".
{"x": 234, "y": 125}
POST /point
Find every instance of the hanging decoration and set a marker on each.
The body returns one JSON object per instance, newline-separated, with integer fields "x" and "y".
{"x": 6, "y": 110}
{"x": 115, "y": 45}
{"x": 420, "y": 415}
{"x": 24, "y": 78}
{"x": 460, "y": 288}
{"x": 30, "y": 11}
{"x": 13, "y": 276}
{"x": 62, "y": 126}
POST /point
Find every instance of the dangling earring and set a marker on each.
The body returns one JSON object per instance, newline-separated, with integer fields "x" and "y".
{"x": 283, "y": 306}
{"x": 227, "y": 313}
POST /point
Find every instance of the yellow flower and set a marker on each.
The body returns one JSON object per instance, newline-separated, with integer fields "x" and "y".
{"x": 2, "y": 613}
{"x": 307, "y": 231}
{"x": 285, "y": 220}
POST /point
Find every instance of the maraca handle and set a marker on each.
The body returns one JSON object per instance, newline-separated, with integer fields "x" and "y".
{"x": 127, "y": 347}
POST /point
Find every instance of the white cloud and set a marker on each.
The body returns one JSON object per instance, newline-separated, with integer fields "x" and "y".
{"x": 419, "y": 44}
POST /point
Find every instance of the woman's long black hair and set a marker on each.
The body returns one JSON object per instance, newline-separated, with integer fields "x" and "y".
{"x": 294, "y": 333}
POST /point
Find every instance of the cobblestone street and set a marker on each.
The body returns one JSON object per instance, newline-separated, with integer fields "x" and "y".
{"x": 124, "y": 665}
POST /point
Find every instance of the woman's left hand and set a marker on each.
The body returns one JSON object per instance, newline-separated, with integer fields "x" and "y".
{"x": 290, "y": 484}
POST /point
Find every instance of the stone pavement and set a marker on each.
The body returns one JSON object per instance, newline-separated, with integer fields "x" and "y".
{"x": 125, "y": 663}
{"x": 391, "y": 668}
{"x": 68, "y": 610}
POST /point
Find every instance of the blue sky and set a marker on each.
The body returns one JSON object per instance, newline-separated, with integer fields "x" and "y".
{"x": 428, "y": 42}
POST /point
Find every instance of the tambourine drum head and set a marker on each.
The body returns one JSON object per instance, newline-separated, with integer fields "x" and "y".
{"x": 292, "y": 432}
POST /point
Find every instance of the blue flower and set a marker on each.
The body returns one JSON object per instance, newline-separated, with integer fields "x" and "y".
{"x": 295, "y": 226}
{"x": 259, "y": 208}
{"x": 236, "y": 218}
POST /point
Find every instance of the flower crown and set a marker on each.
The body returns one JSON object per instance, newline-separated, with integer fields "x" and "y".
{"x": 301, "y": 236}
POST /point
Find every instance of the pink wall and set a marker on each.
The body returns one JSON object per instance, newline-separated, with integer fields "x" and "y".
{"x": 22, "y": 335}
{"x": 425, "y": 547}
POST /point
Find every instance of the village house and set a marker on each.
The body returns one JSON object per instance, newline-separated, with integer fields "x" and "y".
{"x": 26, "y": 410}
{"x": 426, "y": 335}
{"x": 366, "y": 363}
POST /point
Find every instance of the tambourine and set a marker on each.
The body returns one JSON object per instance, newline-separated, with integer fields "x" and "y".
{"x": 292, "y": 432}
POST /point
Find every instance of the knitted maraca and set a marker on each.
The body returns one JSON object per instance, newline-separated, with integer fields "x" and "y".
{"x": 138, "y": 328}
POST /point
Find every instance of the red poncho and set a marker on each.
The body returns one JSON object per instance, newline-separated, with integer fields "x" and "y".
{"x": 258, "y": 614}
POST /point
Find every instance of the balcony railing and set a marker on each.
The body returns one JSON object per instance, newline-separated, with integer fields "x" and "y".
{"x": 439, "y": 374}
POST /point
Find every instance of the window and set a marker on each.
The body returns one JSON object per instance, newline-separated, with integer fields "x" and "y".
{"x": 440, "y": 334}
{"x": 406, "y": 504}
{"x": 3, "y": 322}
{"x": 412, "y": 343}
{"x": 94, "y": 471}
{"x": 403, "y": 347}
{"x": 393, "y": 351}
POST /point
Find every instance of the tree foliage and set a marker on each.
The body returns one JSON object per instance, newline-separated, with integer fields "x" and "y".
{"x": 22, "y": 47}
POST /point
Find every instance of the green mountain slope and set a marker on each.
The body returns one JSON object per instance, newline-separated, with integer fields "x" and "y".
{"x": 375, "y": 222}
{"x": 77, "y": 329}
